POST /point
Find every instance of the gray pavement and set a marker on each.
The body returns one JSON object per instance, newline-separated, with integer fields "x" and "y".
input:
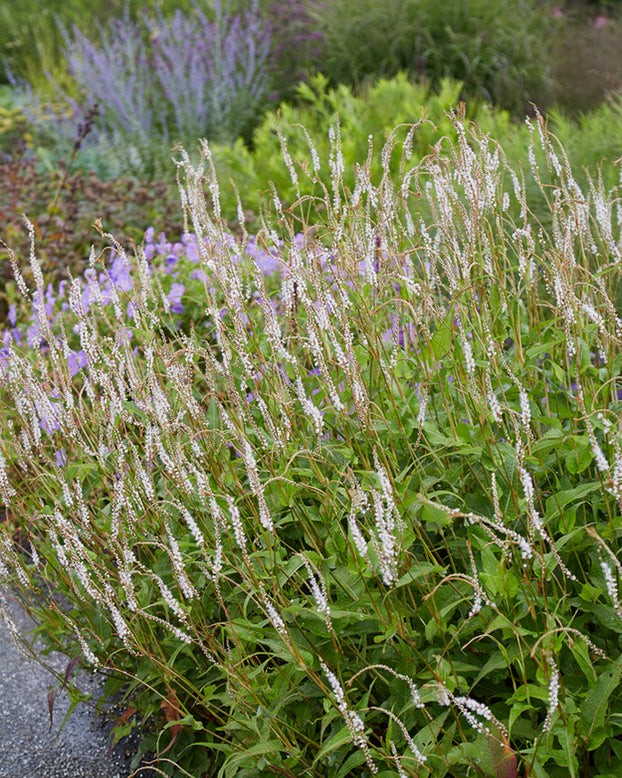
{"x": 28, "y": 749}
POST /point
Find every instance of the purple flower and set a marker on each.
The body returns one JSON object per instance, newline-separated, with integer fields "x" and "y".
{"x": 33, "y": 336}
{"x": 120, "y": 274}
{"x": 174, "y": 297}
{"x": 201, "y": 275}
{"x": 163, "y": 248}
{"x": 49, "y": 423}
{"x": 75, "y": 361}
{"x": 124, "y": 335}
{"x": 49, "y": 300}
{"x": 191, "y": 247}
{"x": 86, "y": 295}
{"x": 267, "y": 262}
{"x": 61, "y": 457}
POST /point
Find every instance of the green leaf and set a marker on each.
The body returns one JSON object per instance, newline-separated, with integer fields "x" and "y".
{"x": 339, "y": 739}
{"x": 567, "y": 740}
{"x": 354, "y": 760}
{"x": 579, "y": 459}
{"x": 515, "y": 712}
{"x": 499, "y": 661}
{"x": 436, "y": 437}
{"x": 186, "y": 721}
{"x": 562, "y": 499}
{"x": 443, "y": 337}
{"x": 270, "y": 746}
{"x": 420, "y": 570}
{"x": 594, "y": 708}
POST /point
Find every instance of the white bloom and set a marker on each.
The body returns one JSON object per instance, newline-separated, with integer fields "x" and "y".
{"x": 553, "y": 694}
{"x": 273, "y": 615}
{"x": 468, "y": 356}
{"x": 352, "y": 719}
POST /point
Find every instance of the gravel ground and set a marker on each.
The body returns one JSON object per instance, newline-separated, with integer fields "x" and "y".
{"x": 28, "y": 749}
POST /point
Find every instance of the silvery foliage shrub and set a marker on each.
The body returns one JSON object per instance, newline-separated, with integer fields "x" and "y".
{"x": 159, "y": 81}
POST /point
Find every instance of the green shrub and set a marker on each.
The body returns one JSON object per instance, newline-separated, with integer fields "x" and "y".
{"x": 587, "y": 66}
{"x": 369, "y": 115}
{"x": 14, "y": 126}
{"x": 594, "y": 140}
{"x": 500, "y": 51}
{"x": 345, "y": 502}
{"x": 591, "y": 147}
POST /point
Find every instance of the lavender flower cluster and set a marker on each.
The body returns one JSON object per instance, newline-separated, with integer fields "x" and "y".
{"x": 175, "y": 260}
{"x": 117, "y": 278}
{"x": 163, "y": 80}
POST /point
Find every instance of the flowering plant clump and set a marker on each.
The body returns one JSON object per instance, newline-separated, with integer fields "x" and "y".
{"x": 341, "y": 501}
{"x": 132, "y": 75}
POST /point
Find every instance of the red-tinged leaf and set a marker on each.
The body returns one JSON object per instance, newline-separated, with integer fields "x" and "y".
{"x": 126, "y": 714}
{"x": 172, "y": 710}
{"x": 70, "y": 668}
{"x": 503, "y": 757}
{"x": 51, "y": 698}
{"x": 121, "y": 721}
